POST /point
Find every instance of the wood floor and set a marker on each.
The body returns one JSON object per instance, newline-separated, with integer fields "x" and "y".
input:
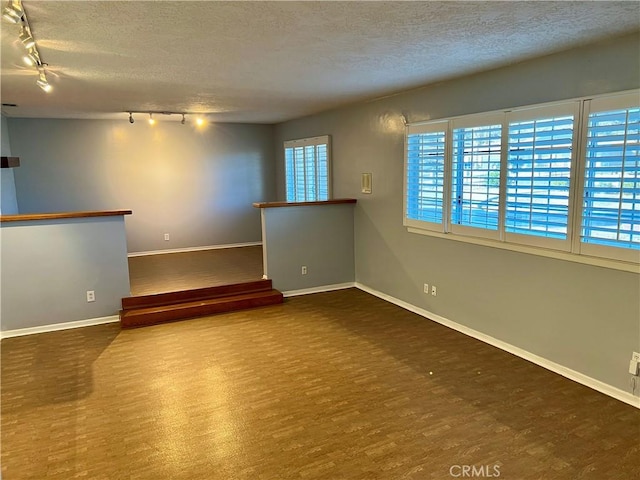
{"x": 184, "y": 271}
{"x": 338, "y": 385}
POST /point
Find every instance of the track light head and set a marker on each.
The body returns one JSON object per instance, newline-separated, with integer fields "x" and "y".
{"x": 32, "y": 58}
{"x": 151, "y": 119}
{"x": 131, "y": 120}
{"x": 13, "y": 12}
{"x": 183, "y": 120}
{"x": 200, "y": 121}
{"x": 43, "y": 83}
{"x": 26, "y": 38}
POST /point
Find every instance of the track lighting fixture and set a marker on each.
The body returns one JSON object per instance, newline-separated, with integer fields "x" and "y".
{"x": 13, "y": 12}
{"x": 200, "y": 121}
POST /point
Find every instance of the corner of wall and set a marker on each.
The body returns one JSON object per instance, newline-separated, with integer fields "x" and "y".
{"x": 8, "y": 198}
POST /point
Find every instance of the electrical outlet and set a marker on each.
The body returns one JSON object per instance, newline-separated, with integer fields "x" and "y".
{"x": 304, "y": 270}
{"x": 91, "y": 296}
{"x": 426, "y": 288}
{"x": 434, "y": 290}
{"x": 635, "y": 357}
{"x": 166, "y": 237}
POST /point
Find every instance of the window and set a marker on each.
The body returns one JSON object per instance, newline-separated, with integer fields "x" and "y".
{"x": 611, "y": 196}
{"x": 425, "y": 174}
{"x": 475, "y": 194}
{"x": 307, "y": 169}
{"x": 562, "y": 177}
{"x": 539, "y": 163}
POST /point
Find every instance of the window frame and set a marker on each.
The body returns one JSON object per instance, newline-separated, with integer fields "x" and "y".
{"x": 571, "y": 248}
{"x": 539, "y": 113}
{"x": 305, "y": 142}
{"x": 431, "y": 127}
{"x": 600, "y": 104}
{"x": 471, "y": 121}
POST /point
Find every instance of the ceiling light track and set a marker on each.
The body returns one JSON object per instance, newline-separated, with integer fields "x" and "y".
{"x": 199, "y": 118}
{"x": 15, "y": 13}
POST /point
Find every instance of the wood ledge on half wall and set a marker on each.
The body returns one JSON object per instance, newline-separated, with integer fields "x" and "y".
{"x": 25, "y": 217}
{"x": 303, "y": 204}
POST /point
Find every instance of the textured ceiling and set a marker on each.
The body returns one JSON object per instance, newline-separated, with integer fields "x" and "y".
{"x": 271, "y": 61}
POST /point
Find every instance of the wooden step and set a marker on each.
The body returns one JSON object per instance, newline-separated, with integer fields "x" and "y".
{"x": 160, "y": 299}
{"x": 138, "y": 317}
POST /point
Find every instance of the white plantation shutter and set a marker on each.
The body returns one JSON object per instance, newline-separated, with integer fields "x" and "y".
{"x": 539, "y": 164}
{"x": 611, "y": 196}
{"x": 425, "y": 172}
{"x": 289, "y": 174}
{"x": 307, "y": 169}
{"x": 322, "y": 171}
{"x": 475, "y": 183}
{"x": 563, "y": 178}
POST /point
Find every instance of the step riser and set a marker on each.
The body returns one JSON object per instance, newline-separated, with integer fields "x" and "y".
{"x": 130, "y": 319}
{"x": 162, "y": 299}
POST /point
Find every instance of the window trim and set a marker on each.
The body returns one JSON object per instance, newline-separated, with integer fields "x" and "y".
{"x": 573, "y": 250}
{"x": 470, "y": 121}
{"x": 614, "y": 264}
{"x": 545, "y": 111}
{"x": 602, "y": 103}
{"x": 430, "y": 127}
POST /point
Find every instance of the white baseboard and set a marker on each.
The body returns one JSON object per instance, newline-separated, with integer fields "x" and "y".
{"x": 59, "y": 326}
{"x": 585, "y": 380}
{"x": 320, "y": 289}
{"x": 193, "y": 249}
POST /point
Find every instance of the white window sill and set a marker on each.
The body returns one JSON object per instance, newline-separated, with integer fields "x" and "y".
{"x": 543, "y": 252}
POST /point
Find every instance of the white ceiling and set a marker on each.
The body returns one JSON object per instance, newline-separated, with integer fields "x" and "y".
{"x": 268, "y": 61}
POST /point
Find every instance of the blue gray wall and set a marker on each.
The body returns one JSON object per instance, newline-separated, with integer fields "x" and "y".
{"x": 48, "y": 266}
{"x": 319, "y": 237}
{"x": 196, "y": 185}
{"x": 583, "y": 317}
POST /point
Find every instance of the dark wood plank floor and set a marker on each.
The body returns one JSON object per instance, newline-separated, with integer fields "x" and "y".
{"x": 184, "y": 271}
{"x": 338, "y": 385}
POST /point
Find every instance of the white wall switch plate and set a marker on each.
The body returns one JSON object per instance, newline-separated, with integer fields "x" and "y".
{"x": 166, "y": 237}
{"x": 635, "y": 356}
{"x": 91, "y": 296}
{"x": 633, "y": 367}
